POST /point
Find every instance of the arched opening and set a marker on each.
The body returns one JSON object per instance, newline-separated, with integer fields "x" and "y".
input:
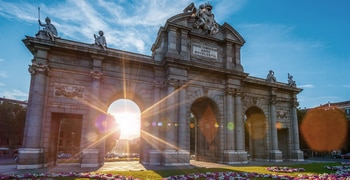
{"x": 204, "y": 130}
{"x": 65, "y": 137}
{"x": 255, "y": 135}
{"x": 124, "y": 140}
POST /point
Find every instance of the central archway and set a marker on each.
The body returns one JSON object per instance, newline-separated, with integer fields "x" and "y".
{"x": 124, "y": 141}
{"x": 204, "y": 130}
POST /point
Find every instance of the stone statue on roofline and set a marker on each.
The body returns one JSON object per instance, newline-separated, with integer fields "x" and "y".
{"x": 291, "y": 82}
{"x": 271, "y": 77}
{"x": 100, "y": 40}
{"x": 49, "y": 29}
{"x": 204, "y": 18}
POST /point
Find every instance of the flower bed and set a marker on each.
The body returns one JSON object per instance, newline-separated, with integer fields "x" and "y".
{"x": 341, "y": 172}
{"x": 285, "y": 169}
{"x": 70, "y": 174}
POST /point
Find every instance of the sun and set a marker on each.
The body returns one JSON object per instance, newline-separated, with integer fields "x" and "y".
{"x": 128, "y": 115}
{"x": 129, "y": 124}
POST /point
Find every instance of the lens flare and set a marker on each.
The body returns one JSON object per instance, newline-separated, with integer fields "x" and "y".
{"x": 324, "y": 129}
{"x": 230, "y": 126}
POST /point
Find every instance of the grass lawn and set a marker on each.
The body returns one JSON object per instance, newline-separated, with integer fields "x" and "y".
{"x": 313, "y": 168}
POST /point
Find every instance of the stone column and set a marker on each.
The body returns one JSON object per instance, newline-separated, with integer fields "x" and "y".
{"x": 183, "y": 128}
{"x": 185, "y": 55}
{"x": 275, "y": 154}
{"x": 172, "y": 40}
{"x": 237, "y": 58}
{"x": 154, "y": 154}
{"x": 93, "y": 155}
{"x": 169, "y": 153}
{"x": 229, "y": 58}
{"x": 239, "y": 125}
{"x": 297, "y": 154}
{"x": 31, "y": 155}
{"x": 229, "y": 128}
{"x": 241, "y": 156}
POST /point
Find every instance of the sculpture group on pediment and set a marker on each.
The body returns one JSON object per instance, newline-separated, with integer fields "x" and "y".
{"x": 204, "y": 18}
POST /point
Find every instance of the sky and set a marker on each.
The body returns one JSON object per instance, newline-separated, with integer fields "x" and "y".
{"x": 307, "y": 38}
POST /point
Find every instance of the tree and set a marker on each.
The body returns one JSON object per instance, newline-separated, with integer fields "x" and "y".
{"x": 12, "y": 121}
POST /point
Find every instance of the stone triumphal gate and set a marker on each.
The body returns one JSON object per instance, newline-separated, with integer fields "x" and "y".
{"x": 193, "y": 93}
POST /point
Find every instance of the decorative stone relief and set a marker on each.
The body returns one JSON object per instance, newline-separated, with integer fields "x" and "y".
{"x": 68, "y": 90}
{"x": 281, "y": 114}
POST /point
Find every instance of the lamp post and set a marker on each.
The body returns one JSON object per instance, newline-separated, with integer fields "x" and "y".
{"x": 72, "y": 143}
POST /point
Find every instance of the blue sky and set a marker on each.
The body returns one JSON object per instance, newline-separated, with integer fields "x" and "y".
{"x": 308, "y": 39}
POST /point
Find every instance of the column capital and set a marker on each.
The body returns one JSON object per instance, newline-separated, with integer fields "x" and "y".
{"x": 176, "y": 82}
{"x": 294, "y": 103}
{"x": 96, "y": 75}
{"x": 182, "y": 83}
{"x": 158, "y": 83}
{"x": 230, "y": 91}
{"x": 172, "y": 82}
{"x": 238, "y": 92}
{"x": 273, "y": 99}
{"x": 38, "y": 68}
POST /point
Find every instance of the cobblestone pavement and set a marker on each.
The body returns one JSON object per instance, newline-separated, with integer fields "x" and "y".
{"x": 8, "y": 166}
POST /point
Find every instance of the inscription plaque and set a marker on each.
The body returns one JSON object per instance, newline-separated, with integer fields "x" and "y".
{"x": 205, "y": 51}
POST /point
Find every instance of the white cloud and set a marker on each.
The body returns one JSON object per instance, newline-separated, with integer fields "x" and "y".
{"x": 224, "y": 9}
{"x": 24, "y": 11}
{"x": 128, "y": 25}
{"x": 306, "y": 86}
{"x": 3, "y": 75}
{"x": 2, "y": 60}
{"x": 15, "y": 94}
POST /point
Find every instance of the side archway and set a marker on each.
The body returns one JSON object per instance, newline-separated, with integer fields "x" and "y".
{"x": 204, "y": 130}
{"x": 256, "y": 133}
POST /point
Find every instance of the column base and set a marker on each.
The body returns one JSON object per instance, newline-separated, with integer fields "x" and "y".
{"x": 30, "y": 158}
{"x": 176, "y": 158}
{"x": 154, "y": 157}
{"x": 276, "y": 156}
{"x": 183, "y": 158}
{"x": 235, "y": 157}
{"x": 297, "y": 155}
{"x": 90, "y": 158}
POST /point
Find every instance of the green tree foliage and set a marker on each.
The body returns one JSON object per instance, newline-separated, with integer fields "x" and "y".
{"x": 12, "y": 122}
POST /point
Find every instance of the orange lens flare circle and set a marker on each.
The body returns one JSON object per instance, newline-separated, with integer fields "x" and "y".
{"x": 324, "y": 129}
